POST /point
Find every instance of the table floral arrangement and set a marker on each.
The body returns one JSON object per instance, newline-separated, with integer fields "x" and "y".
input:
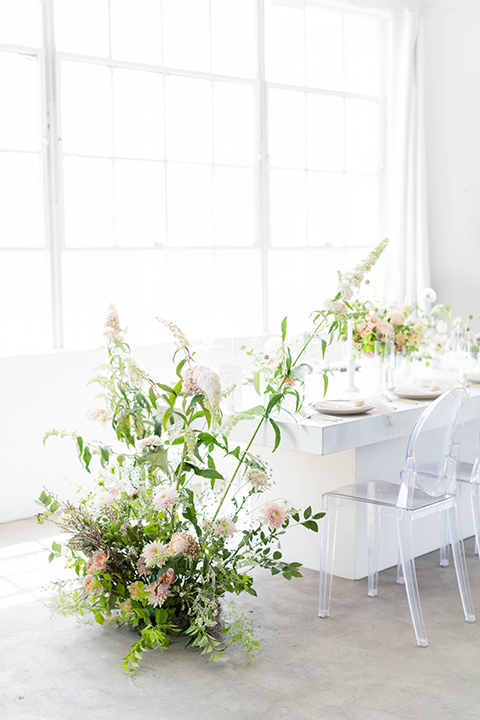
{"x": 166, "y": 538}
{"x": 403, "y": 324}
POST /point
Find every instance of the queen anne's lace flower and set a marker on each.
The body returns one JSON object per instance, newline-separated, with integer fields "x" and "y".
{"x": 258, "y": 478}
{"x": 183, "y": 542}
{"x": 98, "y": 415}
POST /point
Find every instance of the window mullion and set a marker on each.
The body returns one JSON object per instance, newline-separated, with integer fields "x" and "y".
{"x": 53, "y": 162}
{"x": 262, "y": 195}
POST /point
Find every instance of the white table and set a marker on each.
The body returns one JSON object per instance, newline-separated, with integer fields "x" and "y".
{"x": 318, "y": 455}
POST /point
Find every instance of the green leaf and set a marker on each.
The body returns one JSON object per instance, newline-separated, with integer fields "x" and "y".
{"x": 87, "y": 456}
{"x": 257, "y": 378}
{"x": 284, "y": 329}
{"x": 277, "y": 555}
{"x": 272, "y": 402}
{"x": 278, "y": 435}
{"x": 311, "y": 525}
{"x": 307, "y": 512}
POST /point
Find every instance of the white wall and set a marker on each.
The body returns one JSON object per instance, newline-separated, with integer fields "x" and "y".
{"x": 452, "y": 106}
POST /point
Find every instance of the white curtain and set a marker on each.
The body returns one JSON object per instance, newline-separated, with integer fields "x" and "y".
{"x": 406, "y": 217}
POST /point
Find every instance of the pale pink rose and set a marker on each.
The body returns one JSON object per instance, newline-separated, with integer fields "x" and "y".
{"x": 397, "y": 317}
{"x": 134, "y": 589}
{"x": 385, "y": 329}
{"x": 361, "y": 327}
{"x": 98, "y": 562}
{"x": 149, "y": 442}
{"x": 224, "y": 528}
{"x": 274, "y": 515}
{"x": 87, "y": 583}
{"x": 155, "y": 554}
{"x": 168, "y": 577}
{"x": 375, "y": 320}
{"x": 165, "y": 497}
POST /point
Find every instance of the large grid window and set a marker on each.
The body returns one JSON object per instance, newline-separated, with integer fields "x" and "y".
{"x": 210, "y": 161}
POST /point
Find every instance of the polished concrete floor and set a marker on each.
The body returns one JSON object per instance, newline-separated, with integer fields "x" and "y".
{"x": 360, "y": 664}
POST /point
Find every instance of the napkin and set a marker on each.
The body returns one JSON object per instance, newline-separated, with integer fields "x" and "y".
{"x": 382, "y": 408}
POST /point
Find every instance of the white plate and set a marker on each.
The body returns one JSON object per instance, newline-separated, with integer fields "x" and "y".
{"x": 417, "y": 393}
{"x": 473, "y": 378}
{"x": 340, "y": 408}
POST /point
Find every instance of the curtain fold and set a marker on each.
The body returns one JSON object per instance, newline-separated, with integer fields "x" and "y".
{"x": 406, "y": 216}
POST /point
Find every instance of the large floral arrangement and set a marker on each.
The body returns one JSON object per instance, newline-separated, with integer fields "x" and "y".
{"x": 168, "y": 533}
{"x": 404, "y": 325}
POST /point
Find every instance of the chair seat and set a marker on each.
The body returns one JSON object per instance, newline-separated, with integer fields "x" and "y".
{"x": 379, "y": 492}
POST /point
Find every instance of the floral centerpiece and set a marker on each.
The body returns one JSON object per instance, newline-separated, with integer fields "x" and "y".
{"x": 169, "y": 533}
{"x": 403, "y": 324}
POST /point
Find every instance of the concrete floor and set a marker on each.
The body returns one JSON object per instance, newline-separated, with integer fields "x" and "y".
{"x": 360, "y": 664}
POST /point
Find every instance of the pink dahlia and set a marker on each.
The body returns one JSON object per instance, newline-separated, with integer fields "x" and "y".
{"x": 165, "y": 497}
{"x": 155, "y": 554}
{"x": 157, "y": 593}
{"x": 224, "y": 528}
{"x": 273, "y": 515}
{"x": 258, "y": 478}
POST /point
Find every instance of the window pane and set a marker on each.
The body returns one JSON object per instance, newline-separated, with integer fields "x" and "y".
{"x": 86, "y": 109}
{"x": 88, "y": 202}
{"x": 324, "y": 31}
{"x": 138, "y": 114}
{"x": 187, "y": 34}
{"x": 137, "y": 30}
{"x": 362, "y": 54}
{"x": 81, "y": 26}
{"x": 20, "y": 22}
{"x": 239, "y": 312}
{"x": 325, "y": 132}
{"x": 234, "y": 125}
{"x": 189, "y": 119}
{"x": 287, "y": 270}
{"x": 19, "y": 120}
{"x": 193, "y": 314}
{"x": 321, "y": 279}
{"x": 361, "y": 135}
{"x": 233, "y": 37}
{"x": 288, "y": 207}
{"x": 139, "y": 203}
{"x": 233, "y": 206}
{"x": 83, "y": 310}
{"x": 21, "y": 206}
{"x": 140, "y": 297}
{"x": 285, "y": 44}
{"x": 189, "y": 198}
{"x": 361, "y": 210}
{"x": 25, "y": 291}
{"x": 287, "y": 128}
{"x": 326, "y": 208}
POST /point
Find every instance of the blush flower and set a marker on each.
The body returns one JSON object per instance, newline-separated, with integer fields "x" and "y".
{"x": 157, "y": 593}
{"x": 155, "y": 554}
{"x": 152, "y": 441}
{"x": 98, "y": 415}
{"x": 135, "y": 589}
{"x": 258, "y": 478}
{"x": 273, "y": 515}
{"x": 224, "y": 528}
{"x": 183, "y": 542}
{"x": 385, "y": 329}
{"x": 397, "y": 317}
{"x": 98, "y": 562}
{"x": 165, "y": 497}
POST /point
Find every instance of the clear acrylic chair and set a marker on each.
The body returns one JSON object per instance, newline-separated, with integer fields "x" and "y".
{"x": 467, "y": 473}
{"x": 427, "y": 485}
